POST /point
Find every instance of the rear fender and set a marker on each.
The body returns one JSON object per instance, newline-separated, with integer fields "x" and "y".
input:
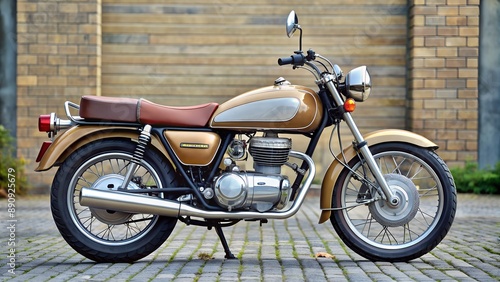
{"x": 373, "y": 138}
{"x": 78, "y": 136}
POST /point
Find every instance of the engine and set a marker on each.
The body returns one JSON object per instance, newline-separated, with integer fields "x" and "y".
{"x": 260, "y": 190}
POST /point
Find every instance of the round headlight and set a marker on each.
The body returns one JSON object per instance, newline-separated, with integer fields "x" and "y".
{"x": 358, "y": 84}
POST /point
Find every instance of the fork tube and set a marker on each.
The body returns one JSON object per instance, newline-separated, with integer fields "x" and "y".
{"x": 388, "y": 195}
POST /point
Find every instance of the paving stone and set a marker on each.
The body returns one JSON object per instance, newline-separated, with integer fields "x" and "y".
{"x": 282, "y": 250}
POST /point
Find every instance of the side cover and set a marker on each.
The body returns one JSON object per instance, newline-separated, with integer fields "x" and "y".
{"x": 193, "y": 147}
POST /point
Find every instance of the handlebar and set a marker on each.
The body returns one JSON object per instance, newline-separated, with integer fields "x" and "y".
{"x": 314, "y": 63}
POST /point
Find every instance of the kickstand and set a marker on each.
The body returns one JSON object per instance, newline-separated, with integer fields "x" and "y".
{"x": 229, "y": 255}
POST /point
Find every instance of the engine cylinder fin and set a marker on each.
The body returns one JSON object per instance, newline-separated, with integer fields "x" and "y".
{"x": 269, "y": 151}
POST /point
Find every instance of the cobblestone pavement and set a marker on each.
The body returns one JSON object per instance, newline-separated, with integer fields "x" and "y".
{"x": 280, "y": 250}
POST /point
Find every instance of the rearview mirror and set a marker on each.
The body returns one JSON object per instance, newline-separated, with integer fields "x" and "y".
{"x": 292, "y": 24}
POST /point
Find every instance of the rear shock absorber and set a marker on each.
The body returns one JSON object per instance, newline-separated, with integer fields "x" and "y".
{"x": 142, "y": 143}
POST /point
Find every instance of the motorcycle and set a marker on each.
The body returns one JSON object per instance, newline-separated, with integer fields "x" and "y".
{"x": 129, "y": 169}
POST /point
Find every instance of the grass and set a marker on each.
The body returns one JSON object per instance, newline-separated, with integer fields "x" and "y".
{"x": 471, "y": 179}
{"x": 491, "y": 251}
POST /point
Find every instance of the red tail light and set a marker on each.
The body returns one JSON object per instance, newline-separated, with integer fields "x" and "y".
{"x": 44, "y": 123}
{"x": 52, "y": 124}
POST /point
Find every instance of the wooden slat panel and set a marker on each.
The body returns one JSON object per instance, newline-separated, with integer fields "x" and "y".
{"x": 246, "y": 50}
{"x": 342, "y": 21}
{"x": 251, "y": 70}
{"x": 189, "y": 52}
{"x": 210, "y": 30}
{"x": 111, "y": 60}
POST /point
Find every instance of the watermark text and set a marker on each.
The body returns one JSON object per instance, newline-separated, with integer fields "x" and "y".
{"x": 11, "y": 221}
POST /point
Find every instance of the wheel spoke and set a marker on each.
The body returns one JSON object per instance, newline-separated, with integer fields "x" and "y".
{"x": 85, "y": 180}
{"x": 141, "y": 220}
{"x": 352, "y": 190}
{"x": 425, "y": 216}
{"x": 133, "y": 226}
{"x": 397, "y": 166}
{"x": 93, "y": 169}
{"x": 428, "y": 191}
{"x": 406, "y": 230}
{"x": 104, "y": 233}
{"x": 370, "y": 220}
{"x": 121, "y": 169}
{"x": 382, "y": 160}
{"x": 413, "y": 177}
{"x": 367, "y": 224}
{"x": 89, "y": 222}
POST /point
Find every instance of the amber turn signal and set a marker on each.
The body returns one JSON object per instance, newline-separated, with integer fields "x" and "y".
{"x": 349, "y": 105}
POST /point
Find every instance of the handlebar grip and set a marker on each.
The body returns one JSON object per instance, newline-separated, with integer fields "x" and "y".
{"x": 285, "y": 61}
{"x": 296, "y": 60}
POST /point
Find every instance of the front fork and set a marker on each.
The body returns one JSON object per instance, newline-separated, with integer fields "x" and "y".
{"x": 388, "y": 195}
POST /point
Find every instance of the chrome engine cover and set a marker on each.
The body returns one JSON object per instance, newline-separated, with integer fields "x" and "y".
{"x": 252, "y": 191}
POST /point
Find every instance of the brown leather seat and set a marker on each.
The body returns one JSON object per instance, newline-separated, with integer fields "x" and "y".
{"x": 144, "y": 111}
{"x": 109, "y": 108}
{"x": 192, "y": 116}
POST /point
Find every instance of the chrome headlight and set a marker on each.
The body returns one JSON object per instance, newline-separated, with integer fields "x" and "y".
{"x": 358, "y": 84}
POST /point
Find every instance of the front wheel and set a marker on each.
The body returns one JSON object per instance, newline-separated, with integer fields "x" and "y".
{"x": 380, "y": 232}
{"x": 106, "y": 235}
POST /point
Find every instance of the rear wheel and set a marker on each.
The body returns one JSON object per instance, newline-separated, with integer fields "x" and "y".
{"x": 106, "y": 235}
{"x": 377, "y": 231}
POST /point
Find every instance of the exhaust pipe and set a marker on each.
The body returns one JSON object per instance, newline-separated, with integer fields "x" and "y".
{"x": 128, "y": 202}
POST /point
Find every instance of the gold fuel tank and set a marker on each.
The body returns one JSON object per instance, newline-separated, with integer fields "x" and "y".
{"x": 283, "y": 107}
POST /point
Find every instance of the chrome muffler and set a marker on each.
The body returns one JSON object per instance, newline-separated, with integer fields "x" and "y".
{"x": 128, "y": 202}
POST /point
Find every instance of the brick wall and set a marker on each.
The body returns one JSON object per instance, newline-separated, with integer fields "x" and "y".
{"x": 58, "y": 60}
{"x": 164, "y": 51}
{"x": 443, "y": 75}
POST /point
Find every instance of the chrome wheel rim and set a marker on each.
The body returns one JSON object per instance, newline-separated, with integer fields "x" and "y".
{"x": 394, "y": 232}
{"x": 109, "y": 227}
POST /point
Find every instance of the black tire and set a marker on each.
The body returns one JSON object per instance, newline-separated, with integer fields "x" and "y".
{"x": 104, "y": 235}
{"x": 379, "y": 232}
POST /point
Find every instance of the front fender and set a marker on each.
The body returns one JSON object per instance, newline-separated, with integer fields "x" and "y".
{"x": 372, "y": 138}
{"x": 79, "y": 136}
